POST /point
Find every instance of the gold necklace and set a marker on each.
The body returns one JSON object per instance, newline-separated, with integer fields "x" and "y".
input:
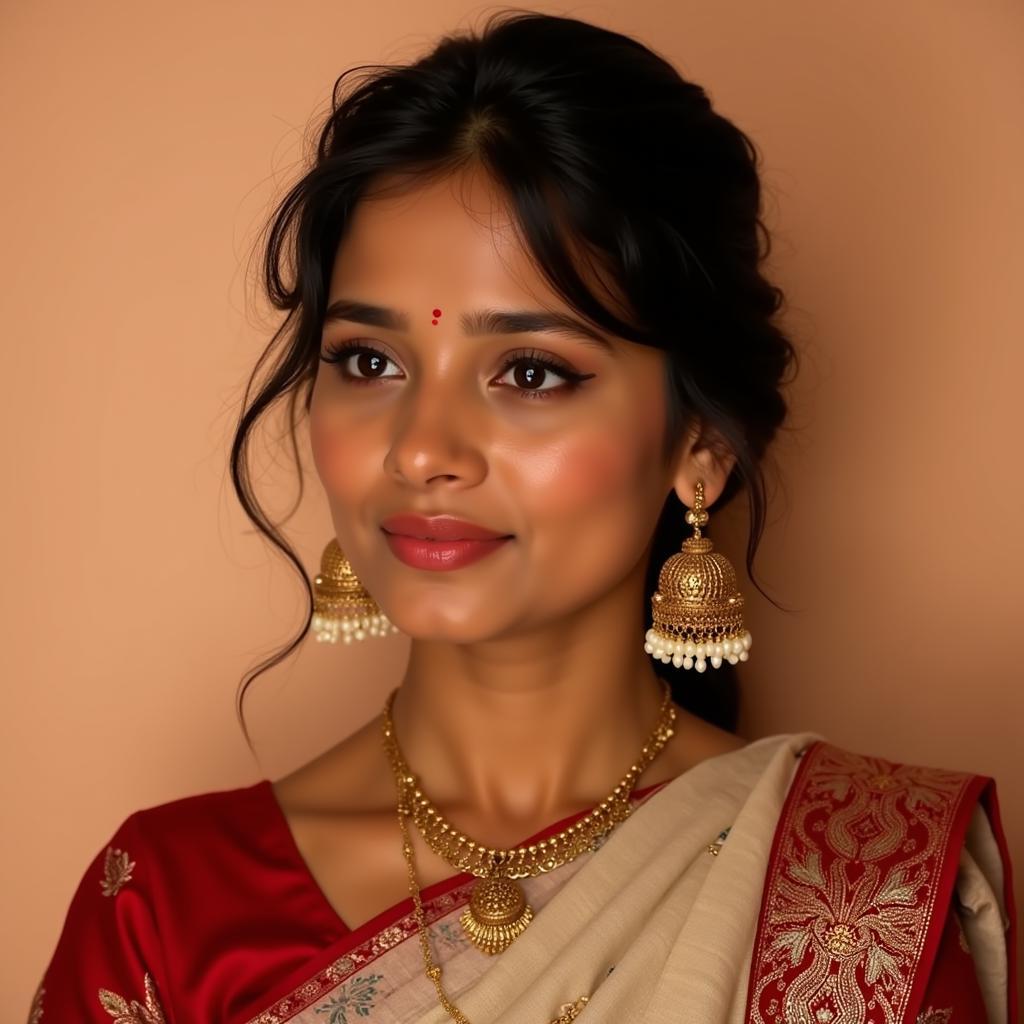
{"x": 498, "y": 912}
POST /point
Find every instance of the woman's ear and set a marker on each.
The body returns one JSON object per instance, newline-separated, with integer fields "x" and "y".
{"x": 703, "y": 456}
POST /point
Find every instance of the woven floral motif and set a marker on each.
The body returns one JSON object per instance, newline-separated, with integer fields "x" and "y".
{"x": 851, "y": 889}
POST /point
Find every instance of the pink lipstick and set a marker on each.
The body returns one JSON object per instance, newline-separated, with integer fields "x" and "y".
{"x": 439, "y": 543}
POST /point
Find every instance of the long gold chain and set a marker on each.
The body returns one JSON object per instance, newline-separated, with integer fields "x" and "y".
{"x": 529, "y": 859}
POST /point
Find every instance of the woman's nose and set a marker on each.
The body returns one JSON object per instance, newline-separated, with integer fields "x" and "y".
{"x": 437, "y": 434}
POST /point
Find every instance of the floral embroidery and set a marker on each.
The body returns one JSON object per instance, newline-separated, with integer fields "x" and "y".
{"x": 384, "y": 940}
{"x": 851, "y": 888}
{"x": 117, "y": 870}
{"x": 931, "y": 1016}
{"x": 341, "y": 967}
{"x": 36, "y": 1010}
{"x": 447, "y": 935}
{"x": 132, "y": 1013}
{"x": 357, "y": 994}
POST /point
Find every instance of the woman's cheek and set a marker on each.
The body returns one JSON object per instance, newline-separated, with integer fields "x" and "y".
{"x": 583, "y": 475}
{"x": 330, "y": 455}
{"x": 611, "y": 461}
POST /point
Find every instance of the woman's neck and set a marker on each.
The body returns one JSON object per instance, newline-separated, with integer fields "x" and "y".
{"x": 525, "y": 728}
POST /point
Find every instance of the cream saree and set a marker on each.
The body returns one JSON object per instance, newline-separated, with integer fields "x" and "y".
{"x": 723, "y": 898}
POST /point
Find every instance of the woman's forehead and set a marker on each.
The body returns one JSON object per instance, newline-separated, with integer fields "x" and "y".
{"x": 452, "y": 236}
{"x": 448, "y": 235}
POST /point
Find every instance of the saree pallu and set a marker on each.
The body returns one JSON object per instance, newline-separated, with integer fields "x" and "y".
{"x": 788, "y": 881}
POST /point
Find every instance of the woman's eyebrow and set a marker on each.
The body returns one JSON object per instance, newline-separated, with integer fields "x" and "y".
{"x": 483, "y": 321}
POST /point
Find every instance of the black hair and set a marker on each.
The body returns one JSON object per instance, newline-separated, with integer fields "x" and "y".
{"x": 603, "y": 152}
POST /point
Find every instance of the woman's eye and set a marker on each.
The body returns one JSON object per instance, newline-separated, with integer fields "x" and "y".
{"x": 368, "y": 365}
{"x": 530, "y": 370}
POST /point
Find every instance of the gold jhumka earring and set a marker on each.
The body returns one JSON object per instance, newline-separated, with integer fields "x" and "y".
{"x": 697, "y": 608}
{"x": 342, "y": 607}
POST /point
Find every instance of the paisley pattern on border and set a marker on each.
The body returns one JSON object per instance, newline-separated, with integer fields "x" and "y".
{"x": 124, "y": 1012}
{"x": 851, "y": 889}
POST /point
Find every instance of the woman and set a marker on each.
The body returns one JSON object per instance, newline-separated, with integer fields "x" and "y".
{"x": 536, "y": 829}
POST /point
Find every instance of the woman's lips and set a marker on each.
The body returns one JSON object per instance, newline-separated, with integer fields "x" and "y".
{"x": 440, "y": 555}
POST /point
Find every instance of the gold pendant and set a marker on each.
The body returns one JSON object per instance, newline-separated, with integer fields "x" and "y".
{"x": 497, "y": 914}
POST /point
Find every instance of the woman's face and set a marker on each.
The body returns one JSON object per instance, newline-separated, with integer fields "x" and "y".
{"x": 432, "y": 422}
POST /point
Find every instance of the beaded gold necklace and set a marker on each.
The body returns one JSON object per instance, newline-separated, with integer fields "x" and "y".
{"x": 498, "y": 912}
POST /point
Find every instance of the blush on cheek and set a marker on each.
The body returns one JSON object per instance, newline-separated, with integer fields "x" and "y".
{"x": 610, "y": 463}
{"x": 330, "y": 453}
{"x": 587, "y": 474}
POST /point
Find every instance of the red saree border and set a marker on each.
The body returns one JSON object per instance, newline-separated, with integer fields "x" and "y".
{"x": 859, "y": 880}
{"x": 389, "y": 928}
{"x": 365, "y": 945}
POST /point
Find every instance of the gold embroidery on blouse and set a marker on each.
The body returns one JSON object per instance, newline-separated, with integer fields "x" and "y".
{"x": 132, "y": 1013}
{"x": 931, "y": 1016}
{"x": 117, "y": 870}
{"x": 36, "y": 1010}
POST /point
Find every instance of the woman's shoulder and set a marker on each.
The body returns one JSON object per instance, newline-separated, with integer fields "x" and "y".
{"x": 222, "y": 857}
{"x": 231, "y": 814}
{"x": 840, "y": 765}
{"x": 190, "y": 874}
{"x": 179, "y": 851}
{"x": 855, "y": 768}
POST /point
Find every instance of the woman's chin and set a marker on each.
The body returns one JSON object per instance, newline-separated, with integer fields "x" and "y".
{"x": 430, "y": 629}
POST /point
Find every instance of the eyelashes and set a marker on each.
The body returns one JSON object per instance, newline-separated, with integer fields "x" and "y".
{"x": 339, "y": 353}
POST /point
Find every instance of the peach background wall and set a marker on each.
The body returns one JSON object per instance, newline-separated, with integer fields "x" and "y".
{"x": 143, "y": 147}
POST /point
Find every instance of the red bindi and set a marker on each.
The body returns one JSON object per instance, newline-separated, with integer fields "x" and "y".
{"x": 436, "y": 313}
